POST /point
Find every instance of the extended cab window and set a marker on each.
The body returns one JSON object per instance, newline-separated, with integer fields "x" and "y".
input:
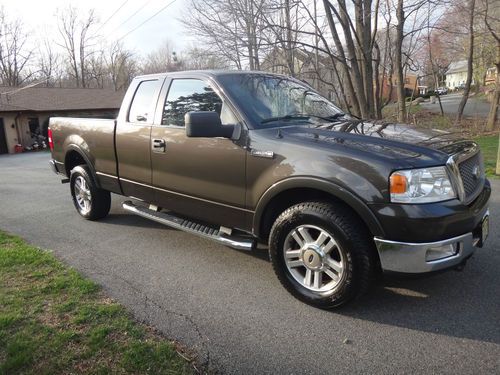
{"x": 142, "y": 107}
{"x": 187, "y": 95}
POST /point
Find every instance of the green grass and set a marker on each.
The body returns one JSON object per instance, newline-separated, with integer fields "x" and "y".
{"x": 489, "y": 148}
{"x": 54, "y": 321}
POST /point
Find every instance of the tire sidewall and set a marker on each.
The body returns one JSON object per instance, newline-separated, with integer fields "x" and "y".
{"x": 283, "y": 226}
{"x": 83, "y": 172}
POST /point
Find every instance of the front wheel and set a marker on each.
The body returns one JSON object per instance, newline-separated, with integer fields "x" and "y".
{"x": 322, "y": 253}
{"x": 91, "y": 202}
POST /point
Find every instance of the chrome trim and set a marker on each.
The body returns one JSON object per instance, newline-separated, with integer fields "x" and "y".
{"x": 406, "y": 257}
{"x": 170, "y": 220}
{"x": 185, "y": 195}
{"x": 106, "y": 175}
{"x": 452, "y": 165}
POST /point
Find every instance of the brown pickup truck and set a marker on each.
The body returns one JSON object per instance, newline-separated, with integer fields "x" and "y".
{"x": 248, "y": 157}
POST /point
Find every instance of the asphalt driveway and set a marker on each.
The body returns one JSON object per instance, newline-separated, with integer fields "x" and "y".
{"x": 474, "y": 107}
{"x": 230, "y": 308}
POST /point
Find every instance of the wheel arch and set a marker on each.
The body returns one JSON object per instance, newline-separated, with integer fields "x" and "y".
{"x": 76, "y": 156}
{"x": 295, "y": 190}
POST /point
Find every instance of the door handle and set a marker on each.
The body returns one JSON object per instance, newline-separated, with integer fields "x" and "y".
{"x": 158, "y": 145}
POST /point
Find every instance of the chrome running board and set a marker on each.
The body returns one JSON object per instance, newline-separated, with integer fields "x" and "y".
{"x": 202, "y": 230}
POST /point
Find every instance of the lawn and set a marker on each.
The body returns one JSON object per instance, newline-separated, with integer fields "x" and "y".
{"x": 54, "y": 321}
{"x": 489, "y": 148}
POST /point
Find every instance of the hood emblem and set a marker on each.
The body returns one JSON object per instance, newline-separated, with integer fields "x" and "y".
{"x": 475, "y": 172}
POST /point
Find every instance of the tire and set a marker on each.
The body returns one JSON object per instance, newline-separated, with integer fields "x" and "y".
{"x": 330, "y": 256}
{"x": 91, "y": 202}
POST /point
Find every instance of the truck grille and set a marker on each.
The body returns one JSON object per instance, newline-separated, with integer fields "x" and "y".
{"x": 472, "y": 175}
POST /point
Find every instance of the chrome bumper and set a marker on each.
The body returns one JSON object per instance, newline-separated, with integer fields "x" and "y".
{"x": 404, "y": 257}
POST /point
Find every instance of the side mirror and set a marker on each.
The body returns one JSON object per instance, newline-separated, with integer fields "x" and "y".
{"x": 206, "y": 124}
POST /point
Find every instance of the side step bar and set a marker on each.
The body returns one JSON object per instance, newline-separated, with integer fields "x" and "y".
{"x": 236, "y": 242}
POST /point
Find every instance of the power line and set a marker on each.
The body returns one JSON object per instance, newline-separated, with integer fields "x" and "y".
{"x": 112, "y": 15}
{"x": 133, "y": 14}
{"x": 147, "y": 20}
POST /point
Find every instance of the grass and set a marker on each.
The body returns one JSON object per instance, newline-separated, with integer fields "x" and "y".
{"x": 54, "y": 321}
{"x": 489, "y": 148}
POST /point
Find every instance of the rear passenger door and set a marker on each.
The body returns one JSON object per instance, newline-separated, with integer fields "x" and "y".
{"x": 133, "y": 134}
{"x": 202, "y": 178}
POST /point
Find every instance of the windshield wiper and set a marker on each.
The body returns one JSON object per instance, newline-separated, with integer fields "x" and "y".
{"x": 303, "y": 116}
{"x": 287, "y": 117}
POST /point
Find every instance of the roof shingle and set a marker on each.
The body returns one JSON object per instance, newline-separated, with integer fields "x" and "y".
{"x": 14, "y": 99}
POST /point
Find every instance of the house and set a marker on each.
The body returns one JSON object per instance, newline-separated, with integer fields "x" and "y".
{"x": 456, "y": 74}
{"x": 413, "y": 86}
{"x": 25, "y": 112}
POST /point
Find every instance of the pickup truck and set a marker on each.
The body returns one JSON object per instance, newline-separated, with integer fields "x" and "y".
{"x": 252, "y": 158}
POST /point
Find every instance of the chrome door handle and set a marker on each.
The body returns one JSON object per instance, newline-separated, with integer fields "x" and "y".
{"x": 158, "y": 145}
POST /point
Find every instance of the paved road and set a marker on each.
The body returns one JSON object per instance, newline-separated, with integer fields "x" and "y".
{"x": 473, "y": 108}
{"x": 230, "y": 308}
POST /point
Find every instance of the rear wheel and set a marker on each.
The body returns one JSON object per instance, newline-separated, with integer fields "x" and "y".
{"x": 91, "y": 202}
{"x": 322, "y": 253}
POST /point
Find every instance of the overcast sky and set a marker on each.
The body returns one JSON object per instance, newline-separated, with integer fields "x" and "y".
{"x": 38, "y": 17}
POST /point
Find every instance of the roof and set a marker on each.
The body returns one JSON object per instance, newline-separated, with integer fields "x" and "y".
{"x": 15, "y": 99}
{"x": 457, "y": 67}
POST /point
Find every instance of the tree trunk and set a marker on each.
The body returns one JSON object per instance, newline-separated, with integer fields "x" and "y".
{"x": 400, "y": 85}
{"x": 470, "y": 57}
{"x": 493, "y": 114}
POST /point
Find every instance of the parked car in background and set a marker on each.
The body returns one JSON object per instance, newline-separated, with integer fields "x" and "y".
{"x": 249, "y": 157}
{"x": 442, "y": 90}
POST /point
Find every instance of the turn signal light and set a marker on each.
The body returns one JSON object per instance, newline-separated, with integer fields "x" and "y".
{"x": 399, "y": 183}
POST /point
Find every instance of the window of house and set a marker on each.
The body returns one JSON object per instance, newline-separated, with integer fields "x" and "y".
{"x": 34, "y": 125}
{"x": 142, "y": 107}
{"x": 188, "y": 95}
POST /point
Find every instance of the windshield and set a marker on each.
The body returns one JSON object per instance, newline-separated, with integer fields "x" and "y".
{"x": 270, "y": 100}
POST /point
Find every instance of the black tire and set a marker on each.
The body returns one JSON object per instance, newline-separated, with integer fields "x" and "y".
{"x": 354, "y": 249}
{"x": 100, "y": 200}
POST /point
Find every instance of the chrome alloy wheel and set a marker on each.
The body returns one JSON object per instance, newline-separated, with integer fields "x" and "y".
{"x": 314, "y": 258}
{"x": 82, "y": 195}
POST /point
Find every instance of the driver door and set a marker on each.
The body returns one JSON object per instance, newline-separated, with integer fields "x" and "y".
{"x": 202, "y": 178}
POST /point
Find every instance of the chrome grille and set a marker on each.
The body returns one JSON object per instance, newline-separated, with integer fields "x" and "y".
{"x": 471, "y": 173}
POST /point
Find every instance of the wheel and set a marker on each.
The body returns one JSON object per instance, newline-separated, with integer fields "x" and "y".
{"x": 322, "y": 253}
{"x": 91, "y": 202}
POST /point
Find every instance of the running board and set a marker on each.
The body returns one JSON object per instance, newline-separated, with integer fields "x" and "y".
{"x": 212, "y": 233}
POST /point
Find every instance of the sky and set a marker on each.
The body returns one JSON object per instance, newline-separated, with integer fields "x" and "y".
{"x": 38, "y": 17}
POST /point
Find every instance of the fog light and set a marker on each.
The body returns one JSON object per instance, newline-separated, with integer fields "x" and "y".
{"x": 440, "y": 252}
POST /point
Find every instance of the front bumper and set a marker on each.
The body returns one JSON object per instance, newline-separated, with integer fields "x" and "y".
{"x": 412, "y": 258}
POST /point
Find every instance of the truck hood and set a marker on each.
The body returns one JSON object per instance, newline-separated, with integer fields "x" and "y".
{"x": 416, "y": 146}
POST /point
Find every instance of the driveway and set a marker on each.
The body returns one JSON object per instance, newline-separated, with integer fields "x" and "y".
{"x": 230, "y": 308}
{"x": 473, "y": 108}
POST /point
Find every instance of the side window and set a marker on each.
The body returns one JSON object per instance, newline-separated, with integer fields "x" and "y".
{"x": 187, "y": 95}
{"x": 141, "y": 109}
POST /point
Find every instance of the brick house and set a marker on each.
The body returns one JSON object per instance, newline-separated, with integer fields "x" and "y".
{"x": 26, "y": 111}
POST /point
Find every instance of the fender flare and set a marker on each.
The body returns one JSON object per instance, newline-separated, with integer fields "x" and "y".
{"x": 85, "y": 157}
{"x": 342, "y": 194}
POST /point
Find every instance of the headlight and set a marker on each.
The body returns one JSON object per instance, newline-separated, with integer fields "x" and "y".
{"x": 424, "y": 185}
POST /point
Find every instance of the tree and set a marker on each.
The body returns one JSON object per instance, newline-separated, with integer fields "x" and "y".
{"x": 78, "y": 42}
{"x": 470, "y": 57}
{"x": 163, "y": 59}
{"x": 121, "y": 66}
{"x": 15, "y": 54}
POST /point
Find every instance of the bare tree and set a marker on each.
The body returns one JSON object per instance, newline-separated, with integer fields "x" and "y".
{"x": 163, "y": 59}
{"x": 15, "y": 54}
{"x": 470, "y": 57}
{"x": 48, "y": 64}
{"x": 78, "y": 42}
{"x": 121, "y": 66}
{"x": 492, "y": 21}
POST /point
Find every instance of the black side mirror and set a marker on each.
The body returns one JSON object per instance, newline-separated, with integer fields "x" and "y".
{"x": 206, "y": 124}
